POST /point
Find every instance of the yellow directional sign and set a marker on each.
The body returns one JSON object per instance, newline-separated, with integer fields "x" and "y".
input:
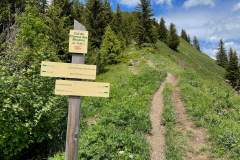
{"x": 68, "y": 70}
{"x": 78, "y": 41}
{"x": 80, "y": 88}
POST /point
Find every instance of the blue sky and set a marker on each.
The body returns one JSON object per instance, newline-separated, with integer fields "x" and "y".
{"x": 209, "y": 20}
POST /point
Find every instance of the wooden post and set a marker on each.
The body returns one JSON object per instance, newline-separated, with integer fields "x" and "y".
{"x": 74, "y": 110}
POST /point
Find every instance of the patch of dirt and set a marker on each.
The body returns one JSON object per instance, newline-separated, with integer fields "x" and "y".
{"x": 151, "y": 64}
{"x": 91, "y": 120}
{"x": 197, "y": 140}
{"x": 157, "y": 137}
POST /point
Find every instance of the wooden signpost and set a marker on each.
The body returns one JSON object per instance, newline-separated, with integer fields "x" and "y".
{"x": 78, "y": 45}
{"x": 80, "y": 88}
{"x": 68, "y": 70}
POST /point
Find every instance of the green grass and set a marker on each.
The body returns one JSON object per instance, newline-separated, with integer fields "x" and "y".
{"x": 174, "y": 143}
{"x": 123, "y": 119}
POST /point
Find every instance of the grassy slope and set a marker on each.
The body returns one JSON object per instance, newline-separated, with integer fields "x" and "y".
{"x": 210, "y": 102}
{"x": 124, "y": 120}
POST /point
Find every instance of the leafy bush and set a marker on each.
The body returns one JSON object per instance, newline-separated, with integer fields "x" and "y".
{"x": 32, "y": 119}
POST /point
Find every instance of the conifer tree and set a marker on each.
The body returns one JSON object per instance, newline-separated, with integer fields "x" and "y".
{"x": 95, "y": 22}
{"x": 42, "y": 5}
{"x": 58, "y": 32}
{"x": 189, "y": 39}
{"x": 173, "y": 39}
{"x": 118, "y": 27}
{"x": 196, "y": 43}
{"x": 117, "y": 22}
{"x": 145, "y": 29}
{"x": 162, "y": 31}
{"x": 233, "y": 69}
{"x": 110, "y": 50}
{"x": 184, "y": 35}
{"x": 221, "y": 56}
{"x": 107, "y": 12}
{"x": 78, "y": 11}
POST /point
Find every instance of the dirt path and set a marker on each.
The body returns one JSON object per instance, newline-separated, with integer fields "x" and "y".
{"x": 157, "y": 137}
{"x": 197, "y": 144}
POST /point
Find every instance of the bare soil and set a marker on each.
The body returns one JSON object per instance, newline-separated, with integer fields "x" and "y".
{"x": 197, "y": 145}
{"x": 197, "y": 141}
{"x": 157, "y": 135}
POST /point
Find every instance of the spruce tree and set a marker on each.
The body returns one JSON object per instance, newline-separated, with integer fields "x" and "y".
{"x": 184, "y": 35}
{"x": 196, "y": 43}
{"x": 78, "y": 11}
{"x": 110, "y": 50}
{"x": 189, "y": 39}
{"x": 117, "y": 22}
{"x": 173, "y": 39}
{"x": 95, "y": 22}
{"x": 58, "y": 32}
{"x": 233, "y": 69}
{"x": 107, "y": 12}
{"x": 145, "y": 29}
{"x": 118, "y": 27}
{"x": 162, "y": 31}
{"x": 221, "y": 56}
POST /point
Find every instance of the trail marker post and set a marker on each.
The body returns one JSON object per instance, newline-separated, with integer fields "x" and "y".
{"x": 78, "y": 44}
{"x": 74, "y": 102}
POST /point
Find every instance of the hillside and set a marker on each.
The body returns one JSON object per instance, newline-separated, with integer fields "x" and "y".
{"x": 115, "y": 128}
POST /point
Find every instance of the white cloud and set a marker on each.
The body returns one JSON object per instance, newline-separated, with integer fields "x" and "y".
{"x": 194, "y": 3}
{"x": 236, "y": 7}
{"x": 168, "y": 2}
{"x": 130, "y": 3}
{"x": 209, "y": 26}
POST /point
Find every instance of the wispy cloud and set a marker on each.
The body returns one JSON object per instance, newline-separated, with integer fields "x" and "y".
{"x": 167, "y": 2}
{"x": 194, "y": 3}
{"x": 209, "y": 26}
{"x": 236, "y": 7}
{"x": 130, "y": 3}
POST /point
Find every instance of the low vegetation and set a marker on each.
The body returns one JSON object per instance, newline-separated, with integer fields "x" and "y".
{"x": 122, "y": 121}
{"x": 174, "y": 140}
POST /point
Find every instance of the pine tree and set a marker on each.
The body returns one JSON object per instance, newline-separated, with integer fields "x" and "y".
{"x": 59, "y": 30}
{"x": 145, "y": 29}
{"x": 118, "y": 27}
{"x": 173, "y": 39}
{"x": 162, "y": 31}
{"x": 107, "y": 12}
{"x": 42, "y": 5}
{"x": 117, "y": 22}
{"x": 78, "y": 11}
{"x": 95, "y": 22}
{"x": 221, "y": 56}
{"x": 233, "y": 69}
{"x": 184, "y": 35}
{"x": 65, "y": 5}
{"x": 196, "y": 43}
{"x": 110, "y": 50}
{"x": 189, "y": 39}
